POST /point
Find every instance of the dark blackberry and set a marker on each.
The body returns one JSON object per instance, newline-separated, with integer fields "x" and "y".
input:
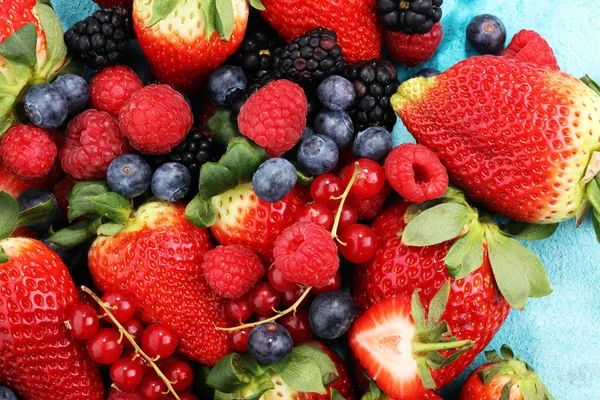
{"x": 102, "y": 38}
{"x": 257, "y": 53}
{"x": 410, "y": 16}
{"x": 311, "y": 57}
{"x": 375, "y": 82}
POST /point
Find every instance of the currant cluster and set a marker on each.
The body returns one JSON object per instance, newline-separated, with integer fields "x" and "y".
{"x": 141, "y": 358}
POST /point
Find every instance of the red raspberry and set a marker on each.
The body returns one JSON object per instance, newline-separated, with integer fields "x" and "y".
{"x": 306, "y": 254}
{"x": 411, "y": 50}
{"x": 231, "y": 271}
{"x": 93, "y": 141}
{"x": 111, "y": 88}
{"x": 369, "y": 207}
{"x": 156, "y": 119}
{"x": 28, "y": 151}
{"x": 416, "y": 173}
{"x": 275, "y": 116}
{"x": 60, "y": 192}
{"x": 529, "y": 46}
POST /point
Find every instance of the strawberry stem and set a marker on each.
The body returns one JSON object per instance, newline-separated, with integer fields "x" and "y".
{"x": 131, "y": 340}
{"x": 429, "y": 347}
{"x": 343, "y": 197}
{"x": 293, "y": 308}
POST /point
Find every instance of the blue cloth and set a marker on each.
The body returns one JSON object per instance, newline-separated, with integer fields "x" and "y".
{"x": 558, "y": 335}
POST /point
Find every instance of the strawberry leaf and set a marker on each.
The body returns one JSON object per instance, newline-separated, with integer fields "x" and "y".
{"x": 73, "y": 235}
{"x": 112, "y": 206}
{"x": 437, "y": 225}
{"x": 228, "y": 375}
{"x": 9, "y": 214}
{"x": 200, "y": 213}
{"x": 36, "y": 214}
{"x": 215, "y": 179}
{"x": 224, "y": 20}
{"x": 300, "y": 373}
{"x": 209, "y": 8}
{"x": 223, "y": 126}
{"x": 416, "y": 309}
{"x": 241, "y": 160}
{"x": 257, "y": 4}
{"x": 3, "y": 256}
{"x": 79, "y": 203}
{"x": 525, "y": 231}
{"x": 317, "y": 356}
{"x": 109, "y": 229}
{"x": 55, "y": 44}
{"x": 466, "y": 254}
{"x": 591, "y": 84}
{"x": 425, "y": 374}
{"x": 437, "y": 306}
{"x": 20, "y": 47}
{"x": 160, "y": 10}
{"x": 596, "y": 223}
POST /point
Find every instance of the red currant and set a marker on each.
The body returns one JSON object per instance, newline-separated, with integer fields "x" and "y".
{"x": 186, "y": 396}
{"x": 334, "y": 283}
{"x": 349, "y": 216}
{"x": 297, "y": 325}
{"x": 122, "y": 306}
{"x": 126, "y": 374}
{"x": 289, "y": 298}
{"x": 369, "y": 181}
{"x": 83, "y": 321}
{"x": 359, "y": 243}
{"x": 278, "y": 282}
{"x": 159, "y": 340}
{"x": 151, "y": 388}
{"x": 326, "y": 186}
{"x": 238, "y": 339}
{"x": 138, "y": 359}
{"x": 135, "y": 328}
{"x": 179, "y": 372}
{"x": 104, "y": 347}
{"x": 317, "y": 213}
{"x": 238, "y": 310}
{"x": 264, "y": 299}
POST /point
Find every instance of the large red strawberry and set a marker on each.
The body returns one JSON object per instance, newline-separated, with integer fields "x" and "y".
{"x": 354, "y": 21}
{"x": 504, "y": 377}
{"x": 182, "y": 45}
{"x": 516, "y": 137}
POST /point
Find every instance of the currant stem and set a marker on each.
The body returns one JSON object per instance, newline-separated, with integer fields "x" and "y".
{"x": 293, "y": 308}
{"x": 131, "y": 340}
{"x": 343, "y": 198}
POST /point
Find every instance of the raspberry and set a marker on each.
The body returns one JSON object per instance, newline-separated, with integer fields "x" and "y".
{"x": 411, "y": 50}
{"x": 93, "y": 141}
{"x": 529, "y": 46}
{"x": 112, "y": 88}
{"x": 275, "y": 116}
{"x": 306, "y": 254}
{"x": 369, "y": 207}
{"x": 28, "y": 151}
{"x": 231, "y": 271}
{"x": 156, "y": 119}
{"x": 60, "y": 192}
{"x": 416, "y": 173}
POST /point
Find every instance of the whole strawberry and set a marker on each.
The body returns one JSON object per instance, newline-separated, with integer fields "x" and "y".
{"x": 415, "y": 49}
{"x": 518, "y": 140}
{"x": 181, "y": 44}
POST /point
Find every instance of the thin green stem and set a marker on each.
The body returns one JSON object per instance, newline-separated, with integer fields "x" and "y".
{"x": 429, "y": 347}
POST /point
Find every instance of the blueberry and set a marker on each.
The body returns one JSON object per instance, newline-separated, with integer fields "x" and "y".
{"x": 269, "y": 343}
{"x": 129, "y": 175}
{"x": 76, "y": 90}
{"x": 487, "y": 34}
{"x": 226, "y": 85}
{"x": 331, "y": 314}
{"x": 317, "y": 154}
{"x": 171, "y": 182}
{"x": 46, "y": 106}
{"x": 187, "y": 99}
{"x": 336, "y": 93}
{"x": 374, "y": 143}
{"x": 274, "y": 179}
{"x": 34, "y": 197}
{"x": 428, "y": 73}
{"x": 337, "y": 125}
{"x": 67, "y": 255}
{"x": 7, "y": 394}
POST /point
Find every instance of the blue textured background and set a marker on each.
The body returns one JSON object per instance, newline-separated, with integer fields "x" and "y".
{"x": 558, "y": 335}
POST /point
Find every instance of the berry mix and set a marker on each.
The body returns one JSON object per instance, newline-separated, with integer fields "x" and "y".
{"x": 212, "y": 219}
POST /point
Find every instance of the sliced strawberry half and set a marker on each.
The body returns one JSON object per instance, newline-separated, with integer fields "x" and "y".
{"x": 399, "y": 346}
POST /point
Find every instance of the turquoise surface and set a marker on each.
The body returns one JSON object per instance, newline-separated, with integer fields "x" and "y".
{"x": 558, "y": 335}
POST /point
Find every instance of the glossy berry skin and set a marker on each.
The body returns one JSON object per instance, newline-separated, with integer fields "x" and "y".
{"x": 336, "y": 93}
{"x": 46, "y": 106}
{"x": 373, "y": 143}
{"x": 238, "y": 310}
{"x": 129, "y": 175}
{"x": 298, "y": 326}
{"x": 226, "y": 85}
{"x": 159, "y": 340}
{"x": 335, "y": 124}
{"x": 331, "y": 314}
{"x": 76, "y": 91}
{"x": 358, "y": 243}
{"x": 126, "y": 374}
{"x": 122, "y": 306}
{"x": 291, "y": 297}
{"x": 134, "y": 327}
{"x": 415, "y": 49}
{"x": 369, "y": 181}
{"x": 83, "y": 321}
{"x": 411, "y": 16}
{"x": 238, "y": 339}
{"x": 104, "y": 347}
{"x": 28, "y": 151}
{"x": 274, "y": 179}
{"x": 278, "y": 282}
{"x": 349, "y": 216}
{"x": 368, "y": 208}
{"x": 139, "y": 360}
{"x": 319, "y": 214}
{"x": 264, "y": 299}
{"x": 427, "y": 73}
{"x": 112, "y": 88}
{"x": 269, "y": 343}
{"x": 7, "y": 394}
{"x": 179, "y": 372}
{"x": 397, "y": 269}
{"x": 34, "y": 197}
{"x": 334, "y": 283}
{"x": 487, "y": 34}
{"x": 326, "y": 186}
{"x": 317, "y": 154}
{"x": 151, "y": 388}
{"x": 171, "y": 182}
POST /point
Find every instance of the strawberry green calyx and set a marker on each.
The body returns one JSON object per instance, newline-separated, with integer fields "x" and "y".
{"x": 515, "y": 375}
{"x": 518, "y": 272}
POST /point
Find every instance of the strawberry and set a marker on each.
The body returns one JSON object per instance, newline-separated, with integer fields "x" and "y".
{"x": 12, "y": 184}
{"x": 354, "y": 21}
{"x": 411, "y": 50}
{"x": 181, "y": 43}
{"x": 342, "y": 384}
{"x": 399, "y": 344}
{"x": 504, "y": 377}
{"x": 518, "y": 139}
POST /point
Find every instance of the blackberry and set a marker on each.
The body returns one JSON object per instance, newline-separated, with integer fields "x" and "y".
{"x": 311, "y": 57}
{"x": 102, "y": 38}
{"x": 410, "y": 16}
{"x": 375, "y": 82}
